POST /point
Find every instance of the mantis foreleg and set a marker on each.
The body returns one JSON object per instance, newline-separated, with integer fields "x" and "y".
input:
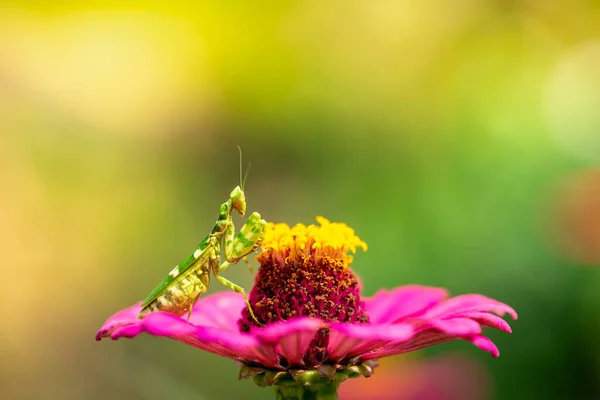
{"x": 246, "y": 241}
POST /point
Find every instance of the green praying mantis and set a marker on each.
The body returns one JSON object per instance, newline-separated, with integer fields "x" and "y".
{"x": 183, "y": 286}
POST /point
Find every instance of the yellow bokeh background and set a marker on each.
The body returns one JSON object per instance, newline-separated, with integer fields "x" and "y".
{"x": 446, "y": 133}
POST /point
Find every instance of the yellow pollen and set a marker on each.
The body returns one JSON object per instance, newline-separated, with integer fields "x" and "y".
{"x": 331, "y": 239}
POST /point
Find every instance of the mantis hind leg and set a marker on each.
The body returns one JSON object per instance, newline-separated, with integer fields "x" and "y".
{"x": 192, "y": 302}
{"x": 240, "y": 290}
{"x": 200, "y": 288}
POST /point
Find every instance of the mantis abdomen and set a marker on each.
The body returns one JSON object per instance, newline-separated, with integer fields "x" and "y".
{"x": 182, "y": 295}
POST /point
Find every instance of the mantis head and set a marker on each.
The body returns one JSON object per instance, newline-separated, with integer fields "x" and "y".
{"x": 238, "y": 200}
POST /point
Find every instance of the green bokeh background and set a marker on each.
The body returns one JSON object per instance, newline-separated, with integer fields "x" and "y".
{"x": 446, "y": 133}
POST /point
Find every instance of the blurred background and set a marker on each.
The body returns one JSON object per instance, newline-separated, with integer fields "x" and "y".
{"x": 459, "y": 138}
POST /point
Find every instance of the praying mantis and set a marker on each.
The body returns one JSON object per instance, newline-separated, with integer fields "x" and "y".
{"x": 183, "y": 286}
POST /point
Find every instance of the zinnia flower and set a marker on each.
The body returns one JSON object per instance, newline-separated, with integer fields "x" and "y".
{"x": 315, "y": 329}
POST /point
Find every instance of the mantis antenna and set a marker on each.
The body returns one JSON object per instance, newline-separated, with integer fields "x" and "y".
{"x": 243, "y": 182}
{"x": 246, "y": 176}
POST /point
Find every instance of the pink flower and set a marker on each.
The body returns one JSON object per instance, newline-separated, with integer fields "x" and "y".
{"x": 311, "y": 314}
{"x": 405, "y": 319}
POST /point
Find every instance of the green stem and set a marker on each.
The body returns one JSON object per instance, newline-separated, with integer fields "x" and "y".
{"x": 314, "y": 392}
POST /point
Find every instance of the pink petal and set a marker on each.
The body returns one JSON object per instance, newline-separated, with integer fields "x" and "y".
{"x": 340, "y": 345}
{"x": 219, "y": 310}
{"x": 210, "y": 346}
{"x": 126, "y": 316}
{"x": 275, "y": 331}
{"x": 419, "y": 341}
{"x": 345, "y": 339}
{"x": 294, "y": 347}
{"x": 392, "y": 332}
{"x": 485, "y": 344}
{"x": 164, "y": 324}
{"x": 470, "y": 302}
{"x": 487, "y": 319}
{"x": 220, "y": 339}
{"x": 290, "y": 338}
{"x": 402, "y": 302}
{"x": 456, "y": 326}
{"x": 265, "y": 355}
{"x": 127, "y": 331}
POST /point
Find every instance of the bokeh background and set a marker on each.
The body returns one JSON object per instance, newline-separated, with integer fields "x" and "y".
{"x": 459, "y": 138}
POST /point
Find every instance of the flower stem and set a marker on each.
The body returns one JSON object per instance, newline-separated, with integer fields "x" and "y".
{"x": 313, "y": 392}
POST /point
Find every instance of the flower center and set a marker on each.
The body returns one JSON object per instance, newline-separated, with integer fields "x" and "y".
{"x": 304, "y": 271}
